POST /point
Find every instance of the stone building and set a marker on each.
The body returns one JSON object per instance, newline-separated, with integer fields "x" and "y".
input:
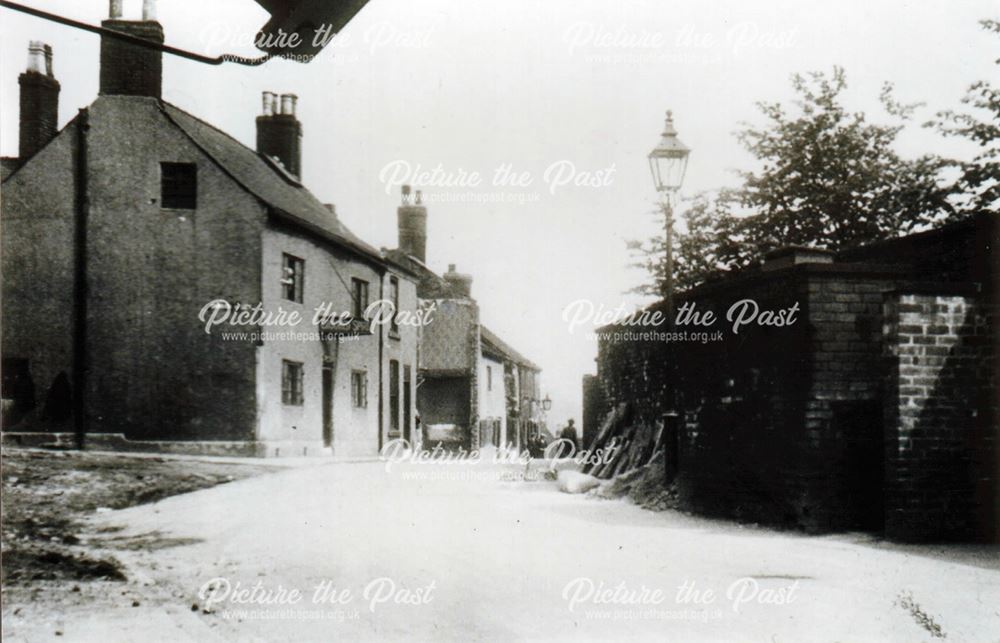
{"x": 119, "y": 230}
{"x": 876, "y": 410}
{"x": 475, "y": 389}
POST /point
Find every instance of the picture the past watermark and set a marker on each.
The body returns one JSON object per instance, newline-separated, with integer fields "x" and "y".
{"x": 323, "y": 600}
{"x": 688, "y": 600}
{"x": 691, "y": 323}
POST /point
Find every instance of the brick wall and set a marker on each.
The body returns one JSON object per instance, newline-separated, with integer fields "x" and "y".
{"x": 154, "y": 372}
{"x": 941, "y": 417}
{"x": 594, "y": 406}
{"x": 842, "y": 470}
{"x": 37, "y": 232}
{"x": 740, "y": 399}
{"x": 131, "y": 70}
{"x": 741, "y": 445}
{"x": 807, "y": 426}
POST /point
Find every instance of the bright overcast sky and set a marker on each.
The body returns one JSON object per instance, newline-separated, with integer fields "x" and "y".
{"x": 473, "y": 85}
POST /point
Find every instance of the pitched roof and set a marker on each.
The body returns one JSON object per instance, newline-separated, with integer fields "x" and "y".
{"x": 7, "y": 166}
{"x": 431, "y": 284}
{"x": 490, "y": 338}
{"x": 434, "y": 286}
{"x": 286, "y": 196}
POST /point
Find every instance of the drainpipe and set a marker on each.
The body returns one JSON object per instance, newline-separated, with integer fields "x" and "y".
{"x": 82, "y": 207}
{"x": 381, "y": 373}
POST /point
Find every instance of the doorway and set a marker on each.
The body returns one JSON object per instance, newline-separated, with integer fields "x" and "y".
{"x": 858, "y": 425}
{"x": 328, "y": 406}
{"x": 407, "y": 403}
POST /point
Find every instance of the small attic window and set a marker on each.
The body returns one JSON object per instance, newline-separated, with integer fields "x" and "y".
{"x": 179, "y": 186}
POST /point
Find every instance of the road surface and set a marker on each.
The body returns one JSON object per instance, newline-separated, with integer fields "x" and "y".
{"x": 406, "y": 555}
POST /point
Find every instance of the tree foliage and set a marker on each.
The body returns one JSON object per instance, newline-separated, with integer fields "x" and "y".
{"x": 979, "y": 181}
{"x": 703, "y": 220}
{"x": 828, "y": 177}
{"x": 831, "y": 178}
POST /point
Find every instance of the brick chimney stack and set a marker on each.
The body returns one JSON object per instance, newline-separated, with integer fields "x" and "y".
{"x": 459, "y": 282}
{"x": 39, "y": 101}
{"x": 413, "y": 225}
{"x": 127, "y": 69}
{"x": 279, "y": 132}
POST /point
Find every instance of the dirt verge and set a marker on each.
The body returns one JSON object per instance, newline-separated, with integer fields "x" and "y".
{"x": 47, "y": 493}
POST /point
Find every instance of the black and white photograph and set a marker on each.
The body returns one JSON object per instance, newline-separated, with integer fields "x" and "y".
{"x": 481, "y": 320}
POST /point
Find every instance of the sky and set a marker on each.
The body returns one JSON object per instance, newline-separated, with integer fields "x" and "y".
{"x": 553, "y": 103}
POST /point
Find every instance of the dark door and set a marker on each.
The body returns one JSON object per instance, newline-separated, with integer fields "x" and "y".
{"x": 858, "y": 425}
{"x": 407, "y": 403}
{"x": 394, "y": 399}
{"x": 328, "y": 406}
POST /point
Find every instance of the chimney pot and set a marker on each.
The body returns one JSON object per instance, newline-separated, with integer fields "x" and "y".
{"x": 48, "y": 62}
{"x": 289, "y": 104}
{"x": 268, "y": 100}
{"x": 452, "y": 267}
{"x": 115, "y": 10}
{"x": 36, "y": 57}
{"x": 420, "y": 197}
{"x": 149, "y": 10}
{"x": 406, "y": 194}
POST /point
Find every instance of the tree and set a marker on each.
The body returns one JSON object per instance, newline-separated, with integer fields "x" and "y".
{"x": 826, "y": 177}
{"x": 830, "y": 178}
{"x": 699, "y": 249}
{"x": 979, "y": 180}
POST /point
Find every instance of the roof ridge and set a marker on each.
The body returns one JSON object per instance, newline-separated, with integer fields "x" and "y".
{"x": 166, "y": 103}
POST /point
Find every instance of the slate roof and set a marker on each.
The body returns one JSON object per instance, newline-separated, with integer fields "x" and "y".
{"x": 506, "y": 350}
{"x": 431, "y": 284}
{"x": 286, "y": 196}
{"x": 7, "y": 166}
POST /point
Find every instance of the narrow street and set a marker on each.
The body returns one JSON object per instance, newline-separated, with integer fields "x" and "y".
{"x": 409, "y": 555}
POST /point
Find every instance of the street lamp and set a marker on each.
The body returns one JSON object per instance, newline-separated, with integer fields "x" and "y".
{"x": 668, "y": 162}
{"x": 547, "y": 404}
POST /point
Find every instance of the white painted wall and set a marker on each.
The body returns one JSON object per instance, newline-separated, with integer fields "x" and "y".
{"x": 492, "y": 400}
{"x": 355, "y": 430}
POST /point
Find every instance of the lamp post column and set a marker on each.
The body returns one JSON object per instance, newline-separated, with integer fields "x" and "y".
{"x": 668, "y": 163}
{"x": 668, "y": 260}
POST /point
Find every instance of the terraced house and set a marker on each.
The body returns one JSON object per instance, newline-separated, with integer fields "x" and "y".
{"x": 120, "y": 231}
{"x": 475, "y": 389}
